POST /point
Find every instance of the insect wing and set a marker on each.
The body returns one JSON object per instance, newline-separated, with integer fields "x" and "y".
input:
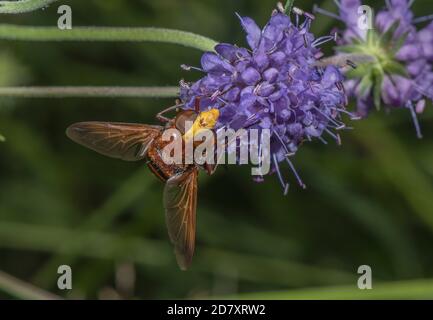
{"x": 117, "y": 140}
{"x": 180, "y": 202}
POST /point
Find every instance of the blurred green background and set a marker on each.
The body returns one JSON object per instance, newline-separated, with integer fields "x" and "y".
{"x": 369, "y": 201}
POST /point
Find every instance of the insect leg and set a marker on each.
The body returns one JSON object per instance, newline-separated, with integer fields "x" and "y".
{"x": 197, "y": 104}
{"x": 211, "y": 168}
{"x": 162, "y": 118}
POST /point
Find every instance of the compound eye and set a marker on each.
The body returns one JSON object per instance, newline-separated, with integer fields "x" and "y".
{"x": 183, "y": 117}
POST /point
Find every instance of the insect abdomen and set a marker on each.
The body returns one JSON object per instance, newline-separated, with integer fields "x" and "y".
{"x": 156, "y": 164}
{"x": 157, "y": 171}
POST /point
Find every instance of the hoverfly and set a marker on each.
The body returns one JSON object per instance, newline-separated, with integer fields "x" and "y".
{"x": 133, "y": 142}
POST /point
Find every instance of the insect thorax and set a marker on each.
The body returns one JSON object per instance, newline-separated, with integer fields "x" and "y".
{"x": 158, "y": 166}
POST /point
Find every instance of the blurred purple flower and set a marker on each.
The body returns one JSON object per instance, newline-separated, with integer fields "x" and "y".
{"x": 401, "y": 74}
{"x": 274, "y": 85}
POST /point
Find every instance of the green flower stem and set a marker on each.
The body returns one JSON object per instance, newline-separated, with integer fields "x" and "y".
{"x": 408, "y": 289}
{"x": 89, "y": 92}
{"x": 289, "y": 6}
{"x": 32, "y": 33}
{"x": 23, "y": 290}
{"x": 22, "y": 6}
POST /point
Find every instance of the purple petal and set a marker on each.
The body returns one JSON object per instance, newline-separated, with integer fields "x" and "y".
{"x": 271, "y": 75}
{"x": 247, "y": 101}
{"x": 313, "y": 131}
{"x": 398, "y": 91}
{"x": 232, "y": 95}
{"x": 261, "y": 60}
{"x": 399, "y": 10}
{"x": 363, "y": 106}
{"x": 250, "y": 76}
{"x": 266, "y": 122}
{"x": 278, "y": 57}
{"x": 417, "y": 67}
{"x": 252, "y": 30}
{"x": 331, "y": 76}
{"x": 410, "y": 51}
{"x": 211, "y": 62}
{"x": 274, "y": 30}
{"x": 349, "y": 11}
{"x": 277, "y": 94}
{"x": 280, "y": 20}
{"x": 227, "y": 51}
{"x": 266, "y": 89}
{"x": 420, "y": 106}
{"x": 227, "y": 113}
{"x": 425, "y": 38}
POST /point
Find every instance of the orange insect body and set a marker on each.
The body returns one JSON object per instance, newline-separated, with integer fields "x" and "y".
{"x": 132, "y": 142}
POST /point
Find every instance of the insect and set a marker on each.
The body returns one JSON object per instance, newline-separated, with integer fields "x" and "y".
{"x": 133, "y": 142}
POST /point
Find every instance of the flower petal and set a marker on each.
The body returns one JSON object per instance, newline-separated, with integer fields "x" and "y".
{"x": 349, "y": 11}
{"x": 251, "y": 76}
{"x": 211, "y": 62}
{"x": 253, "y": 31}
{"x": 227, "y": 51}
{"x": 398, "y": 91}
{"x": 331, "y": 76}
{"x": 271, "y": 75}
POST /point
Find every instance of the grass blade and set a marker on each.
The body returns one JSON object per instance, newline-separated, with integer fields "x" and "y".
{"x": 89, "y": 92}
{"x": 23, "y": 290}
{"x": 22, "y": 6}
{"x": 110, "y": 34}
{"x": 411, "y": 289}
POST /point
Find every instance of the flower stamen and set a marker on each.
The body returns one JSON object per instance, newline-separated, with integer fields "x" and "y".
{"x": 411, "y": 108}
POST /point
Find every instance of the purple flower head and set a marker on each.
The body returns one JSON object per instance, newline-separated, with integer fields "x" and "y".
{"x": 399, "y": 74}
{"x": 276, "y": 84}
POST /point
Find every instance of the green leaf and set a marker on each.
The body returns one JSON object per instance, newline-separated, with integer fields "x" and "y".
{"x": 22, "y": 6}
{"x": 358, "y": 41}
{"x": 360, "y": 71}
{"x": 349, "y": 49}
{"x": 365, "y": 84}
{"x": 372, "y": 37}
{"x": 399, "y": 43}
{"x": 2, "y": 138}
{"x": 388, "y": 35}
{"x": 393, "y": 67}
{"x": 377, "y": 89}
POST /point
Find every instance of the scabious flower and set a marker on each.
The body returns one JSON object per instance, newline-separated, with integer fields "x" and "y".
{"x": 400, "y": 72}
{"x": 275, "y": 85}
